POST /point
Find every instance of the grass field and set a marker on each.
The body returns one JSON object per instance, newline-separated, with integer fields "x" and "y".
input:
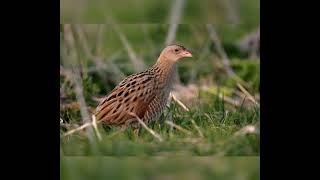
{"x": 210, "y": 129}
{"x": 158, "y": 168}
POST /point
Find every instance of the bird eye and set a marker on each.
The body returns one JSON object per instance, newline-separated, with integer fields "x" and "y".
{"x": 176, "y": 50}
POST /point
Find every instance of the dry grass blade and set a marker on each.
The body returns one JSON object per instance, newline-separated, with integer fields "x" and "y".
{"x": 156, "y": 135}
{"x": 137, "y": 62}
{"x": 197, "y": 128}
{"x": 178, "y": 127}
{"x": 75, "y": 77}
{"x": 175, "y": 16}
{"x": 79, "y": 96}
{"x": 179, "y": 102}
{"x": 224, "y": 58}
{"x": 251, "y": 98}
{"x": 171, "y": 34}
{"x": 94, "y": 124}
{"x": 77, "y": 129}
{"x": 216, "y": 40}
{"x": 99, "y": 63}
{"x": 230, "y": 100}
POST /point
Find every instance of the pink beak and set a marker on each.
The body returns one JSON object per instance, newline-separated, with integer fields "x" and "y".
{"x": 186, "y": 53}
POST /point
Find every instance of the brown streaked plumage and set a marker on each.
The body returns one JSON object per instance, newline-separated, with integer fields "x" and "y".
{"x": 144, "y": 94}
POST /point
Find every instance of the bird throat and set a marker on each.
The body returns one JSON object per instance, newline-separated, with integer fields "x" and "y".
{"x": 166, "y": 69}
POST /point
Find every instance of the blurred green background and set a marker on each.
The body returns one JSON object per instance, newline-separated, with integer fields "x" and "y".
{"x": 155, "y": 11}
{"x": 160, "y": 168}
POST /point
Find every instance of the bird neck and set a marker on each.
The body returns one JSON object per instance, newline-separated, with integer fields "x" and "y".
{"x": 166, "y": 69}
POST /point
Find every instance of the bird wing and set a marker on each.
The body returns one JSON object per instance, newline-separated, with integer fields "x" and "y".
{"x": 133, "y": 94}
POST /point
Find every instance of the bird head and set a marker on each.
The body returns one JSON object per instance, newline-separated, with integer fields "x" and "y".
{"x": 175, "y": 52}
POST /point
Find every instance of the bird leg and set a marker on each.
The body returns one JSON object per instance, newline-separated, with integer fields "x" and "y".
{"x": 136, "y": 129}
{"x": 135, "y": 126}
{"x": 162, "y": 118}
{"x": 136, "y": 132}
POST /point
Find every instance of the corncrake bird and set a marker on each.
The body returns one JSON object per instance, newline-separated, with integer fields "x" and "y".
{"x": 143, "y": 94}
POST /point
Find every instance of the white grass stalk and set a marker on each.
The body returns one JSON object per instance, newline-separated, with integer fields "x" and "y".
{"x": 170, "y": 123}
{"x": 179, "y": 102}
{"x": 156, "y": 135}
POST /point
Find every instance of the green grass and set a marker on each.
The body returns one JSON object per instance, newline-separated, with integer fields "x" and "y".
{"x": 224, "y": 168}
{"x": 216, "y": 123}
